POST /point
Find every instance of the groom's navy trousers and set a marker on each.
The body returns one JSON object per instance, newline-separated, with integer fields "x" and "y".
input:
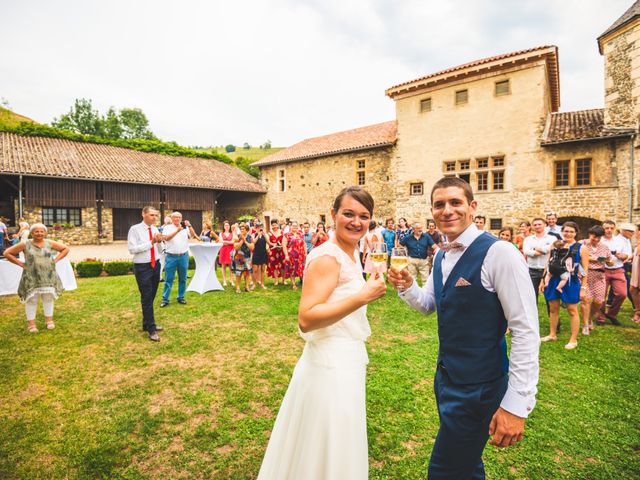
{"x": 471, "y": 377}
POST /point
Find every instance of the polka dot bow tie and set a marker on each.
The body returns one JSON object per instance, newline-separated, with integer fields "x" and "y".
{"x": 453, "y": 247}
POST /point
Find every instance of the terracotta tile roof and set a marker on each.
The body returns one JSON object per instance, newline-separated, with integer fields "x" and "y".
{"x": 484, "y": 65}
{"x": 578, "y": 126}
{"x": 53, "y": 157}
{"x": 363, "y": 138}
{"x": 628, "y": 16}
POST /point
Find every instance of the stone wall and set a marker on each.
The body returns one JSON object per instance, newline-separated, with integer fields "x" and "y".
{"x": 312, "y": 185}
{"x": 85, "y": 234}
{"x": 622, "y": 77}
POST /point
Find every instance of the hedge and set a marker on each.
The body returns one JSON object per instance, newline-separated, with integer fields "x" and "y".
{"x": 89, "y": 268}
{"x": 118, "y": 268}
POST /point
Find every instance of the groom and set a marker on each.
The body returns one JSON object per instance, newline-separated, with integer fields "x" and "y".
{"x": 479, "y": 285}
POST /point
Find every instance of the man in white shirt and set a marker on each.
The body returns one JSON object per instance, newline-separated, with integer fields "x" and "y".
{"x": 3, "y": 234}
{"x": 614, "y": 274}
{"x": 536, "y": 249}
{"x": 552, "y": 226}
{"x": 176, "y": 237}
{"x": 142, "y": 240}
{"x": 478, "y": 286}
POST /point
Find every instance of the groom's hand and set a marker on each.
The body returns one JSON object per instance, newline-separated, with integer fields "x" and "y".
{"x": 400, "y": 279}
{"x": 507, "y": 429}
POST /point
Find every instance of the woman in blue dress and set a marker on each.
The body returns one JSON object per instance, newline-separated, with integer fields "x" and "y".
{"x": 573, "y": 291}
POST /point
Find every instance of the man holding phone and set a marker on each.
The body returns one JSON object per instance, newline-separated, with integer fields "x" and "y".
{"x": 176, "y": 236}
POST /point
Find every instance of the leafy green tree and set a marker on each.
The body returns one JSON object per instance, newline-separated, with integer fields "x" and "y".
{"x": 246, "y": 146}
{"x": 230, "y": 148}
{"x": 135, "y": 124}
{"x": 82, "y": 118}
{"x": 111, "y": 124}
{"x": 245, "y": 164}
{"x": 266, "y": 145}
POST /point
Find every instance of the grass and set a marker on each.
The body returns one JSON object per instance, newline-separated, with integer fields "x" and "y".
{"x": 254, "y": 154}
{"x": 11, "y": 119}
{"x": 95, "y": 399}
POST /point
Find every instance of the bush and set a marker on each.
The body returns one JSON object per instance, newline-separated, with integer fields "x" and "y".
{"x": 118, "y": 268}
{"x": 192, "y": 263}
{"x": 230, "y": 148}
{"x": 89, "y": 268}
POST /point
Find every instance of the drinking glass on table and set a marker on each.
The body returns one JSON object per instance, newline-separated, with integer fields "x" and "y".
{"x": 379, "y": 256}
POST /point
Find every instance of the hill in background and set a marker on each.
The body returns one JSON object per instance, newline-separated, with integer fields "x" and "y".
{"x": 11, "y": 120}
{"x": 253, "y": 154}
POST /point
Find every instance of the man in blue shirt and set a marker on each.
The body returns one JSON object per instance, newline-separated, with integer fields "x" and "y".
{"x": 389, "y": 236}
{"x": 418, "y": 246}
{"x": 308, "y": 235}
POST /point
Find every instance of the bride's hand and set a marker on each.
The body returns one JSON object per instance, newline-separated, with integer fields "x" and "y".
{"x": 374, "y": 288}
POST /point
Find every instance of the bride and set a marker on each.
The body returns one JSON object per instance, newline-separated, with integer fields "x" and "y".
{"x": 320, "y": 432}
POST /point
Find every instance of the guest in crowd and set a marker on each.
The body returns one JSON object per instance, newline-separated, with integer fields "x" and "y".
{"x": 176, "y": 238}
{"x": 294, "y": 250}
{"x": 275, "y": 267}
{"x": 39, "y": 278}
{"x": 552, "y": 227}
{"x": 243, "y": 245}
{"x": 143, "y": 240}
{"x": 435, "y": 235}
{"x": 620, "y": 247}
{"x": 208, "y": 234}
{"x": 524, "y": 230}
{"x": 480, "y": 222}
{"x": 224, "y": 257}
{"x": 403, "y": 230}
{"x": 3, "y": 235}
{"x": 418, "y": 245}
{"x": 389, "y": 236}
{"x": 536, "y": 250}
{"x": 320, "y": 236}
{"x": 573, "y": 292}
{"x": 599, "y": 253}
{"x": 260, "y": 255}
{"x": 634, "y": 283}
{"x": 23, "y": 232}
{"x": 506, "y": 234}
{"x": 308, "y": 236}
{"x": 369, "y": 240}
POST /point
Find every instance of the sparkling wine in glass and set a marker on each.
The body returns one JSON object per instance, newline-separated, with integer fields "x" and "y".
{"x": 379, "y": 255}
{"x": 399, "y": 258}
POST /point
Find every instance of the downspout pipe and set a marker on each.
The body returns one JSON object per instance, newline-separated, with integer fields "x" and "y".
{"x": 631, "y": 161}
{"x": 20, "y": 197}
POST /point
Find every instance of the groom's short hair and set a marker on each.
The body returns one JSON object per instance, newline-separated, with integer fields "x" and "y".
{"x": 446, "y": 182}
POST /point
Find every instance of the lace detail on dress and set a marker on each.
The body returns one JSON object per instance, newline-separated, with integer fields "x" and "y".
{"x": 348, "y": 268}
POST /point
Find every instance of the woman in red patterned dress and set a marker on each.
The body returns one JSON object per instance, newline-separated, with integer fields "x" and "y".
{"x": 275, "y": 267}
{"x": 596, "y": 289}
{"x": 295, "y": 253}
{"x": 226, "y": 237}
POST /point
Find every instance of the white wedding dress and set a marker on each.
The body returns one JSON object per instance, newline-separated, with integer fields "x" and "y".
{"x": 320, "y": 432}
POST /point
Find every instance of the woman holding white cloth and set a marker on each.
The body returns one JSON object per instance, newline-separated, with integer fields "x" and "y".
{"x": 321, "y": 430}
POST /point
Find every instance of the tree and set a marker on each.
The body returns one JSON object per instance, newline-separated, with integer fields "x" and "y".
{"x": 246, "y": 146}
{"x": 266, "y": 145}
{"x": 80, "y": 119}
{"x": 230, "y": 148}
{"x": 135, "y": 124}
{"x": 111, "y": 124}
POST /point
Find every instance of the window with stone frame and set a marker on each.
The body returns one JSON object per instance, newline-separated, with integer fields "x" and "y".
{"x": 462, "y": 97}
{"x": 498, "y": 161}
{"x": 465, "y": 164}
{"x": 502, "y": 87}
{"x": 282, "y": 182}
{"x": 482, "y": 162}
{"x": 583, "y": 172}
{"x": 425, "y": 105}
{"x": 416, "y": 188}
{"x": 495, "y": 223}
{"x": 483, "y": 181}
{"x": 361, "y": 164}
{"x": 561, "y": 173}
{"x": 361, "y": 178}
{"x": 61, "y": 216}
{"x": 498, "y": 181}
{"x": 449, "y": 166}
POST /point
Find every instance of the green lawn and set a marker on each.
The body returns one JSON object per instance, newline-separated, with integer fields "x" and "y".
{"x": 95, "y": 399}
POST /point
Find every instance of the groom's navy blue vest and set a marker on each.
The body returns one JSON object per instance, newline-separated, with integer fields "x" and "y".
{"x": 471, "y": 323}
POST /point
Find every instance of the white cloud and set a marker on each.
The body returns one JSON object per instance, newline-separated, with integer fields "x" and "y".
{"x": 217, "y": 72}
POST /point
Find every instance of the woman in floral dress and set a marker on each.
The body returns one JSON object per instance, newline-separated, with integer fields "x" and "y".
{"x": 226, "y": 237}
{"x": 599, "y": 254}
{"x": 295, "y": 253}
{"x": 275, "y": 268}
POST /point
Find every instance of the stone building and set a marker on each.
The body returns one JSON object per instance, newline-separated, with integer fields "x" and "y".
{"x": 92, "y": 193}
{"x": 496, "y": 123}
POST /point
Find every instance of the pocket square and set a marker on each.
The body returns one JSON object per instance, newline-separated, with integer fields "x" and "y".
{"x": 462, "y": 283}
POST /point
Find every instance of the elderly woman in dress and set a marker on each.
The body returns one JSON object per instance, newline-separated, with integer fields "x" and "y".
{"x": 39, "y": 278}
{"x": 599, "y": 254}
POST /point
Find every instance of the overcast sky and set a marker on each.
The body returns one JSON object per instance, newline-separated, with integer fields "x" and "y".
{"x": 213, "y": 72}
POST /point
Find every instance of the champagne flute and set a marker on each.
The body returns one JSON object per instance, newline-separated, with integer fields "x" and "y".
{"x": 399, "y": 258}
{"x": 379, "y": 256}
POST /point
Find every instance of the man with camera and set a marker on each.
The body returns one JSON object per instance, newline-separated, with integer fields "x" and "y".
{"x": 176, "y": 236}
